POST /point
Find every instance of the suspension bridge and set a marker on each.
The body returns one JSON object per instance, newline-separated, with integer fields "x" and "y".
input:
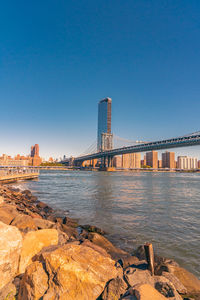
{"x": 123, "y": 146}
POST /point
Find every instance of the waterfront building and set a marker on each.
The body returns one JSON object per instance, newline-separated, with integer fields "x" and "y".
{"x": 198, "y": 164}
{"x": 144, "y": 161}
{"x": 160, "y": 163}
{"x": 104, "y": 135}
{"x": 188, "y": 163}
{"x": 117, "y": 161}
{"x": 152, "y": 159}
{"x": 168, "y": 160}
{"x": 131, "y": 161}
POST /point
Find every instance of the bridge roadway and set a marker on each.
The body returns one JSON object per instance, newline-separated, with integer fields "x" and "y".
{"x": 185, "y": 141}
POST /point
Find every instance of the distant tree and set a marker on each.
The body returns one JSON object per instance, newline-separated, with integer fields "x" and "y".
{"x": 145, "y": 166}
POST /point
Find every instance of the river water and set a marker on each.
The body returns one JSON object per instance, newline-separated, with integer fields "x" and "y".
{"x": 132, "y": 207}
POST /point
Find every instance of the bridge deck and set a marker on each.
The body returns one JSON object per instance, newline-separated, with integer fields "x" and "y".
{"x": 190, "y": 140}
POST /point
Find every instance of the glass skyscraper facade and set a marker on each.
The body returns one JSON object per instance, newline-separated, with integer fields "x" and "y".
{"x": 104, "y": 136}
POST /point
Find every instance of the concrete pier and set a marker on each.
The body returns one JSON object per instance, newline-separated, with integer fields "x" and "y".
{"x": 14, "y": 174}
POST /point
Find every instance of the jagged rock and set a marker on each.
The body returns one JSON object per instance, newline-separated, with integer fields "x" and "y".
{"x": 70, "y": 222}
{"x": 191, "y": 282}
{"x": 7, "y": 213}
{"x": 70, "y": 231}
{"x": 74, "y": 272}
{"x": 1, "y": 199}
{"x": 43, "y": 224}
{"x": 33, "y": 242}
{"x": 129, "y": 261}
{"x": 8, "y": 292}
{"x": 95, "y": 247}
{"x": 10, "y": 248}
{"x": 46, "y": 208}
{"x": 114, "y": 289}
{"x": 101, "y": 241}
{"x": 24, "y": 223}
{"x": 147, "y": 292}
{"x": 134, "y": 276}
{"x": 164, "y": 266}
{"x": 34, "y": 283}
{"x": 27, "y": 193}
{"x": 166, "y": 288}
{"x": 92, "y": 228}
{"x": 176, "y": 282}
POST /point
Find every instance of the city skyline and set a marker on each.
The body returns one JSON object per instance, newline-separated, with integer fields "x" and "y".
{"x": 56, "y": 67}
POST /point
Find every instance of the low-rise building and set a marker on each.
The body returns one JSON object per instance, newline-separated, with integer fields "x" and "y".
{"x": 185, "y": 162}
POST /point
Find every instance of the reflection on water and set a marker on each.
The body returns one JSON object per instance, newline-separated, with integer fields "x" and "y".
{"x": 132, "y": 207}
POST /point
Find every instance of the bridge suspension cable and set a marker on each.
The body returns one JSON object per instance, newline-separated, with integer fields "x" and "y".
{"x": 91, "y": 149}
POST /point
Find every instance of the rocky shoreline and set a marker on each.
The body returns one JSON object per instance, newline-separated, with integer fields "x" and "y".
{"x": 48, "y": 256}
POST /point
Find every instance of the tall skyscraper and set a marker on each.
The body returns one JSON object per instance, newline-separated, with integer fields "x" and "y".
{"x": 104, "y": 135}
{"x": 35, "y": 150}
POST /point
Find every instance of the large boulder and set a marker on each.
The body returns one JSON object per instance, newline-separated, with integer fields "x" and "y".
{"x": 166, "y": 288}
{"x": 147, "y": 292}
{"x": 114, "y": 289}
{"x": 7, "y": 213}
{"x": 24, "y": 223}
{"x": 34, "y": 283}
{"x": 33, "y": 242}
{"x": 74, "y": 272}
{"x": 176, "y": 282}
{"x": 8, "y": 292}
{"x": 101, "y": 241}
{"x": 43, "y": 224}
{"x": 1, "y": 199}
{"x": 10, "y": 248}
{"x": 189, "y": 281}
{"x": 134, "y": 276}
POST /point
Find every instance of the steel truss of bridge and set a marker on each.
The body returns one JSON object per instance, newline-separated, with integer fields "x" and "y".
{"x": 184, "y": 141}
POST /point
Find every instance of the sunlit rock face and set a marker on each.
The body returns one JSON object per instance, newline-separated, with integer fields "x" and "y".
{"x": 74, "y": 272}
{"x": 10, "y": 249}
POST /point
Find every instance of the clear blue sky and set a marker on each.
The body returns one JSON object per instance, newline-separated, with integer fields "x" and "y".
{"x": 59, "y": 58}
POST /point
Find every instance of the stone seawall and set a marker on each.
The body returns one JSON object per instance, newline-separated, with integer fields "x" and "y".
{"x": 44, "y": 255}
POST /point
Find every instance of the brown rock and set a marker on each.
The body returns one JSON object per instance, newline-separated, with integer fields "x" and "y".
{"x": 96, "y": 248}
{"x": 44, "y": 207}
{"x": 7, "y": 213}
{"x": 33, "y": 242}
{"x": 134, "y": 276}
{"x": 8, "y": 292}
{"x": 42, "y": 223}
{"x": 27, "y": 193}
{"x": 147, "y": 292}
{"x": 74, "y": 272}
{"x": 34, "y": 283}
{"x": 129, "y": 261}
{"x": 101, "y": 241}
{"x": 166, "y": 288}
{"x": 24, "y": 223}
{"x": 114, "y": 289}
{"x": 70, "y": 222}
{"x": 70, "y": 231}
{"x": 191, "y": 283}
{"x": 176, "y": 282}
{"x": 92, "y": 228}
{"x": 1, "y": 199}
{"x": 10, "y": 248}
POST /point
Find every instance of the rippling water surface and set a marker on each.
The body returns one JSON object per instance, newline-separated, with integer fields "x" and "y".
{"x": 132, "y": 207}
